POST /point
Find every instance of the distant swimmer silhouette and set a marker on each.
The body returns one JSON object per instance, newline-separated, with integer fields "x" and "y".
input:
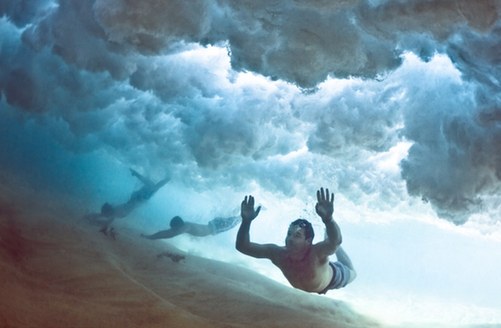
{"x": 109, "y": 212}
{"x": 305, "y": 265}
{"x": 179, "y": 226}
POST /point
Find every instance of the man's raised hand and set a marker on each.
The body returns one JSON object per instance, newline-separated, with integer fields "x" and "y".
{"x": 325, "y": 206}
{"x": 247, "y": 209}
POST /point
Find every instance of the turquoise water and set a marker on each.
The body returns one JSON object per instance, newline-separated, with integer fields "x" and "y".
{"x": 392, "y": 106}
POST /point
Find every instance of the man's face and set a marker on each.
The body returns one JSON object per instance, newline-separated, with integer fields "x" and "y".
{"x": 296, "y": 239}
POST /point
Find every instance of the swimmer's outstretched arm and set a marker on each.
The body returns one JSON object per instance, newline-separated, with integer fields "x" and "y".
{"x": 243, "y": 243}
{"x": 164, "y": 234}
{"x": 325, "y": 209}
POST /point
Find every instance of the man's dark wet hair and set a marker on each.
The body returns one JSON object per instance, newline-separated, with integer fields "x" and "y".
{"x": 176, "y": 222}
{"x": 308, "y": 229}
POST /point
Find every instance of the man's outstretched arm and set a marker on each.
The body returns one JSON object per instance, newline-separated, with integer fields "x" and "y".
{"x": 164, "y": 234}
{"x": 325, "y": 209}
{"x": 243, "y": 243}
{"x": 248, "y": 214}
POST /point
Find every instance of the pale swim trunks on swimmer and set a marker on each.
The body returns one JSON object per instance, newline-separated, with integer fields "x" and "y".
{"x": 340, "y": 277}
{"x": 218, "y": 225}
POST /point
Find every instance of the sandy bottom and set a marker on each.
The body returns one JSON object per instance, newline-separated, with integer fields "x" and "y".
{"x": 56, "y": 271}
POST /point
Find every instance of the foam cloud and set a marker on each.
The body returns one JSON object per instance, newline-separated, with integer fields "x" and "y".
{"x": 155, "y": 25}
{"x": 287, "y": 94}
{"x": 24, "y": 12}
{"x": 454, "y": 160}
{"x": 358, "y": 115}
{"x": 283, "y": 40}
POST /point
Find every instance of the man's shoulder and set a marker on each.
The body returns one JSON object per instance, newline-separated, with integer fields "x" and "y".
{"x": 274, "y": 251}
{"x": 281, "y": 252}
{"x": 277, "y": 254}
{"x": 319, "y": 250}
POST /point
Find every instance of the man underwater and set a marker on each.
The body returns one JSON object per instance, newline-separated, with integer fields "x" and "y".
{"x": 179, "y": 226}
{"x": 305, "y": 265}
{"x": 111, "y": 212}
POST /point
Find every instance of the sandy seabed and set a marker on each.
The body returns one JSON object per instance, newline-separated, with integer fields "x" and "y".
{"x": 57, "y": 271}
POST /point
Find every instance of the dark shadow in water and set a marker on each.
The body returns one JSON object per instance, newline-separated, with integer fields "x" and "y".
{"x": 12, "y": 243}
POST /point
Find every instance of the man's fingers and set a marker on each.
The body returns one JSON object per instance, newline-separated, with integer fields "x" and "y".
{"x": 248, "y": 201}
{"x": 258, "y": 209}
{"x": 325, "y": 196}
{"x": 320, "y": 195}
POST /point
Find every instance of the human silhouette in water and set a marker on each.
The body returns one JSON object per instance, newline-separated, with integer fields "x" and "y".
{"x": 305, "y": 265}
{"x": 111, "y": 212}
{"x": 179, "y": 226}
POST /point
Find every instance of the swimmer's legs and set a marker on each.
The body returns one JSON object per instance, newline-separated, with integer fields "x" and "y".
{"x": 343, "y": 258}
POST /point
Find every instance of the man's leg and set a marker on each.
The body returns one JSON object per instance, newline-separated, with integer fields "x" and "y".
{"x": 343, "y": 258}
{"x": 143, "y": 179}
{"x": 154, "y": 188}
{"x": 218, "y": 225}
{"x": 162, "y": 182}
